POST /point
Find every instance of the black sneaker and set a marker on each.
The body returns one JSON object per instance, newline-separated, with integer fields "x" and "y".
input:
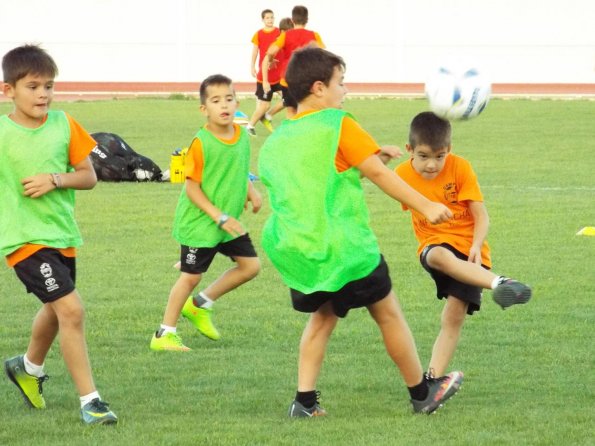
{"x": 510, "y": 292}
{"x": 439, "y": 390}
{"x": 298, "y": 410}
{"x": 251, "y": 131}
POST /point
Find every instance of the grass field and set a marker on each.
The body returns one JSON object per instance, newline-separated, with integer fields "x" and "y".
{"x": 529, "y": 370}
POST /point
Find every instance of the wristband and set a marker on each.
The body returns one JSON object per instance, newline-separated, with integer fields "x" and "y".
{"x": 57, "y": 180}
{"x": 222, "y": 220}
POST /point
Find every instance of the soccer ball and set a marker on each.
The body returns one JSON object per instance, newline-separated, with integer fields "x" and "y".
{"x": 457, "y": 93}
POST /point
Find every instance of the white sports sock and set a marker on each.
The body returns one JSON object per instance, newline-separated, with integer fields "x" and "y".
{"x": 164, "y": 329}
{"x": 205, "y": 302}
{"x": 33, "y": 369}
{"x": 497, "y": 281}
{"x": 88, "y": 398}
{"x": 267, "y": 116}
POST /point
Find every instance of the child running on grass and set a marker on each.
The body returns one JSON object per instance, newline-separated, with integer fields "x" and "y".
{"x": 44, "y": 156}
{"x": 319, "y": 238}
{"x": 455, "y": 253}
{"x": 207, "y": 216}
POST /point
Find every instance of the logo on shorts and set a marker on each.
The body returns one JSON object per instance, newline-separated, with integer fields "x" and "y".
{"x": 46, "y": 271}
{"x": 191, "y": 256}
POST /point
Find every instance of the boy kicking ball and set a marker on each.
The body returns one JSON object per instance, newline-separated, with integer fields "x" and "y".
{"x": 455, "y": 253}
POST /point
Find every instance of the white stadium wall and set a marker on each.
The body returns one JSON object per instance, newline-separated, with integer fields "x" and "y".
{"x": 387, "y": 41}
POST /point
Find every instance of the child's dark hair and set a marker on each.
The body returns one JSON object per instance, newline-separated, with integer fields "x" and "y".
{"x": 309, "y": 65}
{"x": 299, "y": 15}
{"x": 27, "y": 59}
{"x": 215, "y": 79}
{"x": 429, "y": 129}
{"x": 265, "y": 12}
{"x": 285, "y": 24}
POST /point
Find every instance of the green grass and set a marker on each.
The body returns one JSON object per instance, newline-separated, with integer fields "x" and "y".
{"x": 529, "y": 370}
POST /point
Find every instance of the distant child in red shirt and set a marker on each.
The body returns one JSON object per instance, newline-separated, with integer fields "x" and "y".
{"x": 291, "y": 40}
{"x": 262, "y": 40}
{"x": 455, "y": 252}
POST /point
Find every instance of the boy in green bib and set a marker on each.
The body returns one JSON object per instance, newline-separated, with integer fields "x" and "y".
{"x": 207, "y": 216}
{"x": 318, "y": 236}
{"x": 44, "y": 156}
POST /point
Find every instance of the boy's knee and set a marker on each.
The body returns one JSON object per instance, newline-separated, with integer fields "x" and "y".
{"x": 250, "y": 269}
{"x": 440, "y": 258}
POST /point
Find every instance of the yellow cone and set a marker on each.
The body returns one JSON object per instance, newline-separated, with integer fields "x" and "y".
{"x": 587, "y": 230}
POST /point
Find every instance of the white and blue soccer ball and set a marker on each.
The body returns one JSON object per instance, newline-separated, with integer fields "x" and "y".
{"x": 456, "y": 93}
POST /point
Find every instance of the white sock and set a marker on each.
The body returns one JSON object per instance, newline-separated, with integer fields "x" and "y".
{"x": 248, "y": 126}
{"x": 204, "y": 301}
{"x": 497, "y": 281}
{"x": 164, "y": 329}
{"x": 33, "y": 369}
{"x": 86, "y": 399}
{"x": 267, "y": 116}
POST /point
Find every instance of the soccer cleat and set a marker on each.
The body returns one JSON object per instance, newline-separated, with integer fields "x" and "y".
{"x": 297, "y": 410}
{"x": 30, "y": 386}
{"x": 439, "y": 390}
{"x": 98, "y": 412}
{"x": 168, "y": 342}
{"x": 251, "y": 131}
{"x": 267, "y": 122}
{"x": 201, "y": 319}
{"x": 510, "y": 292}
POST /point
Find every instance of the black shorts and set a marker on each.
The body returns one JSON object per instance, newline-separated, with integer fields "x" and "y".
{"x": 288, "y": 100}
{"x": 447, "y": 286}
{"x": 268, "y": 97}
{"x": 359, "y": 293}
{"x": 198, "y": 260}
{"x": 48, "y": 274}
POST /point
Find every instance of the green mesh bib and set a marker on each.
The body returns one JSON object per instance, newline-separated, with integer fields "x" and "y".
{"x": 49, "y": 219}
{"x": 224, "y": 182}
{"x": 318, "y": 236}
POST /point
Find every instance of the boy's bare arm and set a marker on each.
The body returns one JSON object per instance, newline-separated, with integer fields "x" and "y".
{"x": 480, "y": 229}
{"x": 266, "y": 61}
{"x": 201, "y": 201}
{"x": 254, "y": 197}
{"x": 83, "y": 177}
{"x": 392, "y": 185}
{"x": 253, "y": 65}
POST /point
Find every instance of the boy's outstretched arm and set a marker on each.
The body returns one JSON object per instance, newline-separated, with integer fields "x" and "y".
{"x": 83, "y": 177}
{"x": 481, "y": 222}
{"x": 393, "y": 186}
{"x": 201, "y": 201}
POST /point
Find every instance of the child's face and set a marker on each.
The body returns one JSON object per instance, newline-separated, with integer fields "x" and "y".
{"x": 268, "y": 20}
{"x": 32, "y": 96}
{"x": 335, "y": 91}
{"x": 427, "y": 162}
{"x": 220, "y": 106}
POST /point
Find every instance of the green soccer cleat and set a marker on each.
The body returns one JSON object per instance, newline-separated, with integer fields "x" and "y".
{"x": 98, "y": 412}
{"x": 268, "y": 124}
{"x": 201, "y": 319}
{"x": 30, "y": 386}
{"x": 168, "y": 342}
